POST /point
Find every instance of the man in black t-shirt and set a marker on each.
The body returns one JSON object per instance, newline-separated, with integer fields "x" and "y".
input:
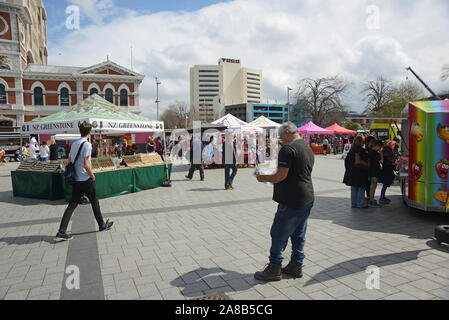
{"x": 293, "y": 190}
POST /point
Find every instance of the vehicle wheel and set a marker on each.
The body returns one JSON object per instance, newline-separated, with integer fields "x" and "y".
{"x": 7, "y": 159}
{"x": 442, "y": 233}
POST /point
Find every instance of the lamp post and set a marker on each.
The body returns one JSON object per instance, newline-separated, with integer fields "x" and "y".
{"x": 157, "y": 96}
{"x": 288, "y": 101}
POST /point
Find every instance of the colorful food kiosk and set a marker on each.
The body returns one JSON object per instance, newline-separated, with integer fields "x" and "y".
{"x": 424, "y": 181}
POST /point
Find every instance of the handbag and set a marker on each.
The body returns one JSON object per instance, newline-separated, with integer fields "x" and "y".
{"x": 360, "y": 164}
{"x": 69, "y": 173}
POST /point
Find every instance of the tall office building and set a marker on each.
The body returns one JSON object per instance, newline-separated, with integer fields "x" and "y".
{"x": 212, "y": 87}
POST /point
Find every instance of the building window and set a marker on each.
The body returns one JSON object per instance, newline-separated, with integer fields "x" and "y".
{"x": 38, "y": 96}
{"x": 93, "y": 91}
{"x": 208, "y": 75}
{"x": 109, "y": 95}
{"x": 123, "y": 98}
{"x": 3, "y": 96}
{"x": 209, "y": 80}
{"x": 65, "y": 97}
{"x": 207, "y": 70}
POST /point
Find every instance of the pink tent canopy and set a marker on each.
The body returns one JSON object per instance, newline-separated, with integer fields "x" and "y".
{"x": 340, "y": 130}
{"x": 311, "y": 128}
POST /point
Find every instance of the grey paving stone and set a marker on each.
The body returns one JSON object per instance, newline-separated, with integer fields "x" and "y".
{"x": 339, "y": 291}
{"x": 320, "y": 295}
{"x": 400, "y": 296}
{"x": 124, "y": 295}
{"x": 20, "y": 295}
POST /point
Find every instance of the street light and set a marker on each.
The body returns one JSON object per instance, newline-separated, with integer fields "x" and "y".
{"x": 157, "y": 96}
{"x": 288, "y": 101}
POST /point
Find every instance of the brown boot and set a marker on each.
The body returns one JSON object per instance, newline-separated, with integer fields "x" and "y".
{"x": 294, "y": 269}
{"x": 271, "y": 273}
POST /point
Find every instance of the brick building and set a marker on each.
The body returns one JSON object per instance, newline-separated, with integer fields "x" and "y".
{"x": 29, "y": 88}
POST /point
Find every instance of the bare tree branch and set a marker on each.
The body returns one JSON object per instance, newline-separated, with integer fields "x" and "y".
{"x": 321, "y": 97}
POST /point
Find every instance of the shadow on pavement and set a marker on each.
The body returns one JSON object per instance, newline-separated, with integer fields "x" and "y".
{"x": 28, "y": 240}
{"x": 349, "y": 267}
{"x": 396, "y": 218}
{"x": 8, "y": 197}
{"x": 202, "y": 279}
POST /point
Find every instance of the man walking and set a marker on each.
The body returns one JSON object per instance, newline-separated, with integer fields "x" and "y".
{"x": 229, "y": 162}
{"x": 293, "y": 190}
{"x": 196, "y": 158}
{"x": 84, "y": 184}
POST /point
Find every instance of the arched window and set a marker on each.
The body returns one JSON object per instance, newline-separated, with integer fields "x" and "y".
{"x": 38, "y": 96}
{"x": 109, "y": 95}
{"x": 93, "y": 91}
{"x": 3, "y": 96}
{"x": 65, "y": 97}
{"x": 123, "y": 98}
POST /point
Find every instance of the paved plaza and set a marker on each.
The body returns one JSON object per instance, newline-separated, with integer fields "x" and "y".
{"x": 196, "y": 239}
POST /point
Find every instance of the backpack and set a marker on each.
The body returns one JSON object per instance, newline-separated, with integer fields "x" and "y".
{"x": 69, "y": 174}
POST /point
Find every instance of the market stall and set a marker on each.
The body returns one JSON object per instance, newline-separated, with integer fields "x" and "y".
{"x": 234, "y": 124}
{"x": 339, "y": 130}
{"x": 311, "y": 128}
{"x": 44, "y": 181}
{"x": 265, "y": 123}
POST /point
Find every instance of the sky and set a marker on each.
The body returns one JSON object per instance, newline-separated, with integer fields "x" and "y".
{"x": 288, "y": 40}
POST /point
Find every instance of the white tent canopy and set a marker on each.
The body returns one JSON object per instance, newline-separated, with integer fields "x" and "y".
{"x": 264, "y": 122}
{"x": 105, "y": 117}
{"x": 235, "y": 124}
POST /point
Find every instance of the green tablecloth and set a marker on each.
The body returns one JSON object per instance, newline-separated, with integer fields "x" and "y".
{"x": 51, "y": 186}
{"x": 37, "y": 185}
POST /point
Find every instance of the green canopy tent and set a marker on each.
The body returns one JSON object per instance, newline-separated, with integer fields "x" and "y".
{"x": 104, "y": 116}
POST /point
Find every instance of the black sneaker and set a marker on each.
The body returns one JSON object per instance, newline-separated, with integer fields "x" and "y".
{"x": 294, "y": 269}
{"x": 227, "y": 187}
{"x": 271, "y": 273}
{"x": 107, "y": 226}
{"x": 62, "y": 236}
{"x": 188, "y": 178}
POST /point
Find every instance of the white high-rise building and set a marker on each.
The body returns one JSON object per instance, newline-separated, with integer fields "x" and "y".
{"x": 212, "y": 87}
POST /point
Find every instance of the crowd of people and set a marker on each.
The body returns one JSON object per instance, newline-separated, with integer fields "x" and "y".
{"x": 335, "y": 142}
{"x": 368, "y": 163}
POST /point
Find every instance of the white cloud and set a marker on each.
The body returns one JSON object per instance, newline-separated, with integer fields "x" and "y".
{"x": 287, "y": 39}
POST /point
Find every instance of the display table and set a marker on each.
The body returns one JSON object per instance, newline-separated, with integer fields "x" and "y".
{"x": 51, "y": 186}
{"x": 37, "y": 185}
{"x": 318, "y": 149}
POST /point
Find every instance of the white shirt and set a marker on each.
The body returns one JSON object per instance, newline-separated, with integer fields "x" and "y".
{"x": 33, "y": 149}
{"x": 43, "y": 151}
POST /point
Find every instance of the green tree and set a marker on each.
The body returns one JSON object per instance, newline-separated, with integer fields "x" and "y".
{"x": 352, "y": 125}
{"x": 399, "y": 96}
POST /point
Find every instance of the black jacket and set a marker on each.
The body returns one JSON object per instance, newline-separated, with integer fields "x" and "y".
{"x": 355, "y": 177}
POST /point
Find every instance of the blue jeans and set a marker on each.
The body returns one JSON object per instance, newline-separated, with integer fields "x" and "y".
{"x": 229, "y": 178}
{"x": 357, "y": 197}
{"x": 44, "y": 160}
{"x": 289, "y": 223}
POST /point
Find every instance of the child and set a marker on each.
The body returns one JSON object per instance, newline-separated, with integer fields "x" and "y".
{"x": 374, "y": 171}
{"x": 387, "y": 172}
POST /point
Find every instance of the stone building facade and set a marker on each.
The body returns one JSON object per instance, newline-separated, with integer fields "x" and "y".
{"x": 29, "y": 88}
